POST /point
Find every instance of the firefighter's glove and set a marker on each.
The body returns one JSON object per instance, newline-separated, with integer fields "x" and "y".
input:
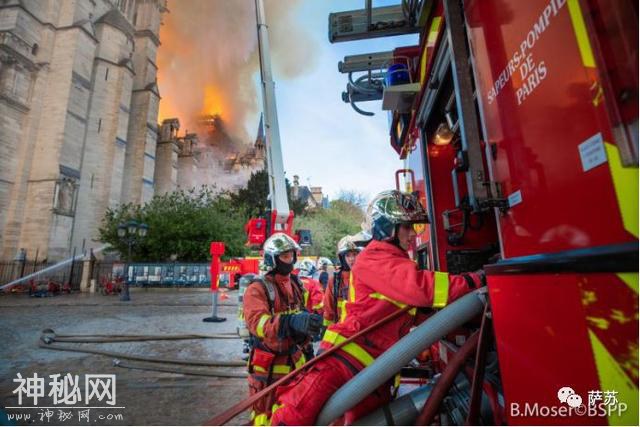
{"x": 300, "y": 325}
{"x": 475, "y": 280}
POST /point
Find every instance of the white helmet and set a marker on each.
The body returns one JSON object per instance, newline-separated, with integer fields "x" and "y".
{"x": 324, "y": 261}
{"x": 361, "y": 239}
{"x": 277, "y": 244}
{"x": 346, "y": 244}
{"x": 306, "y": 268}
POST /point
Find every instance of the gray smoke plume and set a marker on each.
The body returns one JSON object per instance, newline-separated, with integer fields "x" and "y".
{"x": 208, "y": 61}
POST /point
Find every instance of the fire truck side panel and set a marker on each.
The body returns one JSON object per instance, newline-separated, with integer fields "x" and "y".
{"x": 566, "y": 330}
{"x": 555, "y": 159}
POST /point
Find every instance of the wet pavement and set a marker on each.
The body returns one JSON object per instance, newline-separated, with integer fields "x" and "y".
{"x": 141, "y": 397}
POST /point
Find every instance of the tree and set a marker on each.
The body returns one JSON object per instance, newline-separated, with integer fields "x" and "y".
{"x": 328, "y": 226}
{"x": 181, "y": 224}
{"x": 354, "y": 197}
{"x": 255, "y": 196}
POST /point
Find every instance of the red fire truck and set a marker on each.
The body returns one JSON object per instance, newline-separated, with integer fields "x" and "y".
{"x": 232, "y": 270}
{"x": 518, "y": 125}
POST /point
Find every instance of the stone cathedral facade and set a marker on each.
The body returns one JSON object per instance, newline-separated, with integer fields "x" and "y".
{"x": 78, "y": 118}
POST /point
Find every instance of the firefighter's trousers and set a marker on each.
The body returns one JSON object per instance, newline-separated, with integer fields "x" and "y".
{"x": 300, "y": 401}
{"x": 261, "y": 409}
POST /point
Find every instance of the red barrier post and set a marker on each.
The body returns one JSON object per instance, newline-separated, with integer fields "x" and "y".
{"x": 216, "y": 250}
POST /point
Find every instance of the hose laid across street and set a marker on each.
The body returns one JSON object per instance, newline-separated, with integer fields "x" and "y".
{"x": 50, "y": 336}
{"x": 154, "y": 359}
{"x": 184, "y": 371}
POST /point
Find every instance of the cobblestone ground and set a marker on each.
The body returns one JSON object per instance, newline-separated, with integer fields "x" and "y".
{"x": 148, "y": 398}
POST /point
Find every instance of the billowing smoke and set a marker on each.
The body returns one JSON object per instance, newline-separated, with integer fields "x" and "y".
{"x": 208, "y": 63}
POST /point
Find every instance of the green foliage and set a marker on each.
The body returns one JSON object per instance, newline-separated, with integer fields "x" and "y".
{"x": 255, "y": 196}
{"x": 354, "y": 197}
{"x": 328, "y": 226}
{"x": 182, "y": 224}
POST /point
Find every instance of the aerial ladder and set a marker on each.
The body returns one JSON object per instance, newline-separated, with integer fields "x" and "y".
{"x": 280, "y": 217}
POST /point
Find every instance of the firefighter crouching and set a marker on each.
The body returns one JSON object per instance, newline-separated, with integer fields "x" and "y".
{"x": 384, "y": 279}
{"x": 337, "y": 292}
{"x": 274, "y": 311}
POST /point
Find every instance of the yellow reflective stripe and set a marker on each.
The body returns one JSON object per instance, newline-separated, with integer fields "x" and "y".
{"x": 281, "y": 369}
{"x": 260, "y": 328}
{"x": 326, "y": 322}
{"x": 301, "y": 361}
{"x": 261, "y": 420}
{"x": 342, "y": 309}
{"x": 306, "y": 297}
{"x": 352, "y": 288}
{"x": 352, "y": 348}
{"x": 625, "y": 183}
{"x": 398, "y": 304}
{"x": 433, "y": 31}
{"x": 440, "y": 289}
{"x": 612, "y": 377}
{"x": 275, "y": 407}
{"x": 630, "y": 279}
{"x": 318, "y": 306}
{"x": 580, "y": 30}
{"x": 431, "y": 42}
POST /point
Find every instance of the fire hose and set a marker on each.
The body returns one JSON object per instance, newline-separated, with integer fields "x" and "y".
{"x": 49, "y": 337}
{"x": 230, "y": 413}
{"x": 185, "y": 371}
{"x": 406, "y": 409}
{"x": 391, "y": 361}
{"x": 117, "y": 355}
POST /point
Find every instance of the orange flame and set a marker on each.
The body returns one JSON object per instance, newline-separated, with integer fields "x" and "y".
{"x": 215, "y": 102}
{"x": 207, "y": 62}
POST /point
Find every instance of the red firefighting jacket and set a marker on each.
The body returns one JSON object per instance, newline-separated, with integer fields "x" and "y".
{"x": 334, "y": 303}
{"x": 272, "y": 354}
{"x": 313, "y": 295}
{"x": 385, "y": 279}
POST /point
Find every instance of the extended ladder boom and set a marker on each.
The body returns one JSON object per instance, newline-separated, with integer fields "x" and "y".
{"x": 275, "y": 167}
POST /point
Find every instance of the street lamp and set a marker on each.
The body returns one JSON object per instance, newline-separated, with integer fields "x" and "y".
{"x": 130, "y": 232}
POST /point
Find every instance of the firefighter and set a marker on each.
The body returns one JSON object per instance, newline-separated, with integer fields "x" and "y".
{"x": 385, "y": 278}
{"x": 277, "y": 321}
{"x": 313, "y": 296}
{"x": 337, "y": 292}
{"x": 323, "y": 274}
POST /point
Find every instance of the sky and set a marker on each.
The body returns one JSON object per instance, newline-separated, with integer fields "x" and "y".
{"x": 324, "y": 140}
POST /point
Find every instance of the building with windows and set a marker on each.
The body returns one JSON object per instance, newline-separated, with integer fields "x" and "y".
{"x": 78, "y": 118}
